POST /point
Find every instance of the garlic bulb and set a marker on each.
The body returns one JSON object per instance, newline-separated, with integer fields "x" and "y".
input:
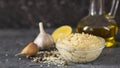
{"x": 43, "y": 40}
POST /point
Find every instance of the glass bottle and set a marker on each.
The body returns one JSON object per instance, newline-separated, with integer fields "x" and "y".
{"x": 99, "y": 23}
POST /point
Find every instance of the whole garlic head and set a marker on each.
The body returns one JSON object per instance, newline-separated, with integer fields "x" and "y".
{"x": 43, "y": 40}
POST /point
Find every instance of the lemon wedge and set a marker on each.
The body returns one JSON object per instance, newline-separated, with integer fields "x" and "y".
{"x": 61, "y": 32}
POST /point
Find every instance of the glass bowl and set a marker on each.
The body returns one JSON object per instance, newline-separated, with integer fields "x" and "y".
{"x": 76, "y": 55}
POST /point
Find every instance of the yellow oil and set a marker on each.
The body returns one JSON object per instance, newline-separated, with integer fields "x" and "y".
{"x": 107, "y": 32}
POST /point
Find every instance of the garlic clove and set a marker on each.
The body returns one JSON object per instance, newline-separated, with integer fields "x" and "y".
{"x": 30, "y": 50}
{"x": 43, "y": 40}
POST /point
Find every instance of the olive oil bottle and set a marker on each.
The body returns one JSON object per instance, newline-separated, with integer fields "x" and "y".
{"x": 99, "y": 23}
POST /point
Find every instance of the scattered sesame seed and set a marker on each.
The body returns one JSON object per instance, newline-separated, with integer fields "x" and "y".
{"x": 19, "y": 58}
{"x": 41, "y": 65}
{"x": 6, "y": 54}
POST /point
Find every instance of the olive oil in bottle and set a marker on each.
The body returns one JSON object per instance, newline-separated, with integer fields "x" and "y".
{"x": 99, "y": 23}
{"x": 108, "y": 33}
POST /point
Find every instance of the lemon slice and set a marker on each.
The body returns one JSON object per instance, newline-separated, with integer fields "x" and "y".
{"x": 61, "y": 32}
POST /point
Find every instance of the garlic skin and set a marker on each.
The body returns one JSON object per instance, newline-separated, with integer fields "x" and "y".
{"x": 30, "y": 50}
{"x": 43, "y": 40}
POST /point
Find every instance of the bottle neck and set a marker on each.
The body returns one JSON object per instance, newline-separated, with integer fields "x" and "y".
{"x": 96, "y": 7}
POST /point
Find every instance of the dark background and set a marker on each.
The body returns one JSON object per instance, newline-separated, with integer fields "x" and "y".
{"x": 17, "y": 14}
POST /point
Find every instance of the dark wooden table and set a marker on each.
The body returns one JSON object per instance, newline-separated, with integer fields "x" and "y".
{"x": 12, "y": 41}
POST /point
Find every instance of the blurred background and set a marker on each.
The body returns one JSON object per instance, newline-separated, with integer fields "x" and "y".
{"x": 19, "y": 14}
